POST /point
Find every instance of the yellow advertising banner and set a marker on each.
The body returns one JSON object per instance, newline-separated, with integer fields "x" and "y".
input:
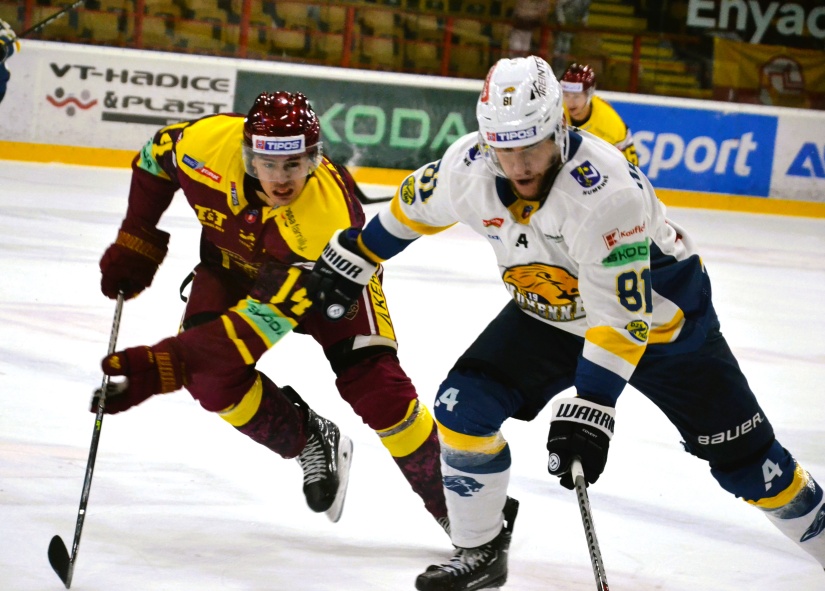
{"x": 768, "y": 74}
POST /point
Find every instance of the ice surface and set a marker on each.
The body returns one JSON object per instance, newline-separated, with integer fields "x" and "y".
{"x": 180, "y": 501}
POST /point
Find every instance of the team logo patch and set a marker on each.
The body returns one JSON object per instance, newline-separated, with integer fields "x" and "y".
{"x": 586, "y": 174}
{"x": 200, "y": 167}
{"x": 408, "y": 190}
{"x": 473, "y": 153}
{"x": 547, "y": 291}
{"x": 497, "y": 222}
{"x": 638, "y": 330}
{"x": 251, "y": 216}
{"x": 282, "y": 146}
{"x": 816, "y": 527}
{"x": 463, "y": 486}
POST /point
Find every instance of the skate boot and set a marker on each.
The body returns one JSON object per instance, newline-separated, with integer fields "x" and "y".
{"x": 325, "y": 460}
{"x": 469, "y": 569}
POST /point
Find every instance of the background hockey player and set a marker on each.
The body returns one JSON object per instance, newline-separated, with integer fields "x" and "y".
{"x": 605, "y": 291}
{"x": 268, "y": 202}
{"x": 585, "y": 110}
{"x": 8, "y": 43}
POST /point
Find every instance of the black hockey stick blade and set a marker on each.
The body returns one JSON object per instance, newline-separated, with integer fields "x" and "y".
{"x": 362, "y": 197}
{"x": 60, "y": 561}
{"x": 370, "y": 200}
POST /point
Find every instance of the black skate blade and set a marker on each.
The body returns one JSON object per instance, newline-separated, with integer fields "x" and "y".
{"x": 344, "y": 462}
{"x": 60, "y": 561}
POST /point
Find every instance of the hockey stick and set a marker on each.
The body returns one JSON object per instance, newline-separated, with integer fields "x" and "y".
{"x": 59, "y": 558}
{"x": 46, "y": 21}
{"x": 589, "y": 529}
{"x": 370, "y": 200}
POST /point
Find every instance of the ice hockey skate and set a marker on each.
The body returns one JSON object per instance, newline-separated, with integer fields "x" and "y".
{"x": 484, "y": 567}
{"x": 325, "y": 460}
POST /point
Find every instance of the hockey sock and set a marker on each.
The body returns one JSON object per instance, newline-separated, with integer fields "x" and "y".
{"x": 273, "y": 417}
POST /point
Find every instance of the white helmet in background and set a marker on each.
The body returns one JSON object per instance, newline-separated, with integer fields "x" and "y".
{"x": 520, "y": 105}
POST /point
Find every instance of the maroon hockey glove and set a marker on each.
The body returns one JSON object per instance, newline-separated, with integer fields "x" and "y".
{"x": 131, "y": 262}
{"x": 579, "y": 427}
{"x": 148, "y": 370}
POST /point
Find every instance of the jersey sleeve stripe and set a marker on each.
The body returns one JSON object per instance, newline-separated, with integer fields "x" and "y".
{"x": 239, "y": 344}
{"x": 615, "y": 343}
{"x": 668, "y": 332}
{"x": 418, "y": 227}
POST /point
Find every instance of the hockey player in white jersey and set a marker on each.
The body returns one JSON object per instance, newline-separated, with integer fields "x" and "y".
{"x": 605, "y": 291}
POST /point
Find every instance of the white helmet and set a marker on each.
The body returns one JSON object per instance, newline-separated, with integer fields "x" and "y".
{"x": 520, "y": 105}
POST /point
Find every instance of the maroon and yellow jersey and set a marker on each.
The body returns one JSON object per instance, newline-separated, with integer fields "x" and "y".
{"x": 605, "y": 122}
{"x": 240, "y": 233}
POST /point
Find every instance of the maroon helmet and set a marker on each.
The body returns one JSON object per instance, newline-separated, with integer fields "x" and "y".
{"x": 281, "y": 124}
{"x": 578, "y": 78}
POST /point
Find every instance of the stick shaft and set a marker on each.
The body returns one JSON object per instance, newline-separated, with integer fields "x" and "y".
{"x": 589, "y": 528}
{"x": 46, "y": 21}
{"x": 90, "y": 464}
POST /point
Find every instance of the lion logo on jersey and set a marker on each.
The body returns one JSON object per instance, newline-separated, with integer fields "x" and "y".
{"x": 464, "y": 486}
{"x": 550, "y": 292}
{"x": 553, "y": 285}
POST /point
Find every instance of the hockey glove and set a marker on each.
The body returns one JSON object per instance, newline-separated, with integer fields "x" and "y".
{"x": 131, "y": 262}
{"x": 148, "y": 370}
{"x": 8, "y": 41}
{"x": 340, "y": 275}
{"x": 582, "y": 428}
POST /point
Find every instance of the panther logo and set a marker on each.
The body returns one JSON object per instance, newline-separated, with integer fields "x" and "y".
{"x": 552, "y": 285}
{"x": 816, "y": 527}
{"x": 464, "y": 486}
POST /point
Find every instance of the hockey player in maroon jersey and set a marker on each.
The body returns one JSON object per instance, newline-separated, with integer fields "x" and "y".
{"x": 591, "y": 113}
{"x": 268, "y": 202}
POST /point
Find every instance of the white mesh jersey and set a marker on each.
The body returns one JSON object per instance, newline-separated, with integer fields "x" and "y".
{"x": 597, "y": 257}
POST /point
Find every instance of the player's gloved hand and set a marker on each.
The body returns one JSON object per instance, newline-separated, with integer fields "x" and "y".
{"x": 582, "y": 428}
{"x": 339, "y": 275}
{"x": 130, "y": 263}
{"x": 148, "y": 370}
{"x": 8, "y": 41}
